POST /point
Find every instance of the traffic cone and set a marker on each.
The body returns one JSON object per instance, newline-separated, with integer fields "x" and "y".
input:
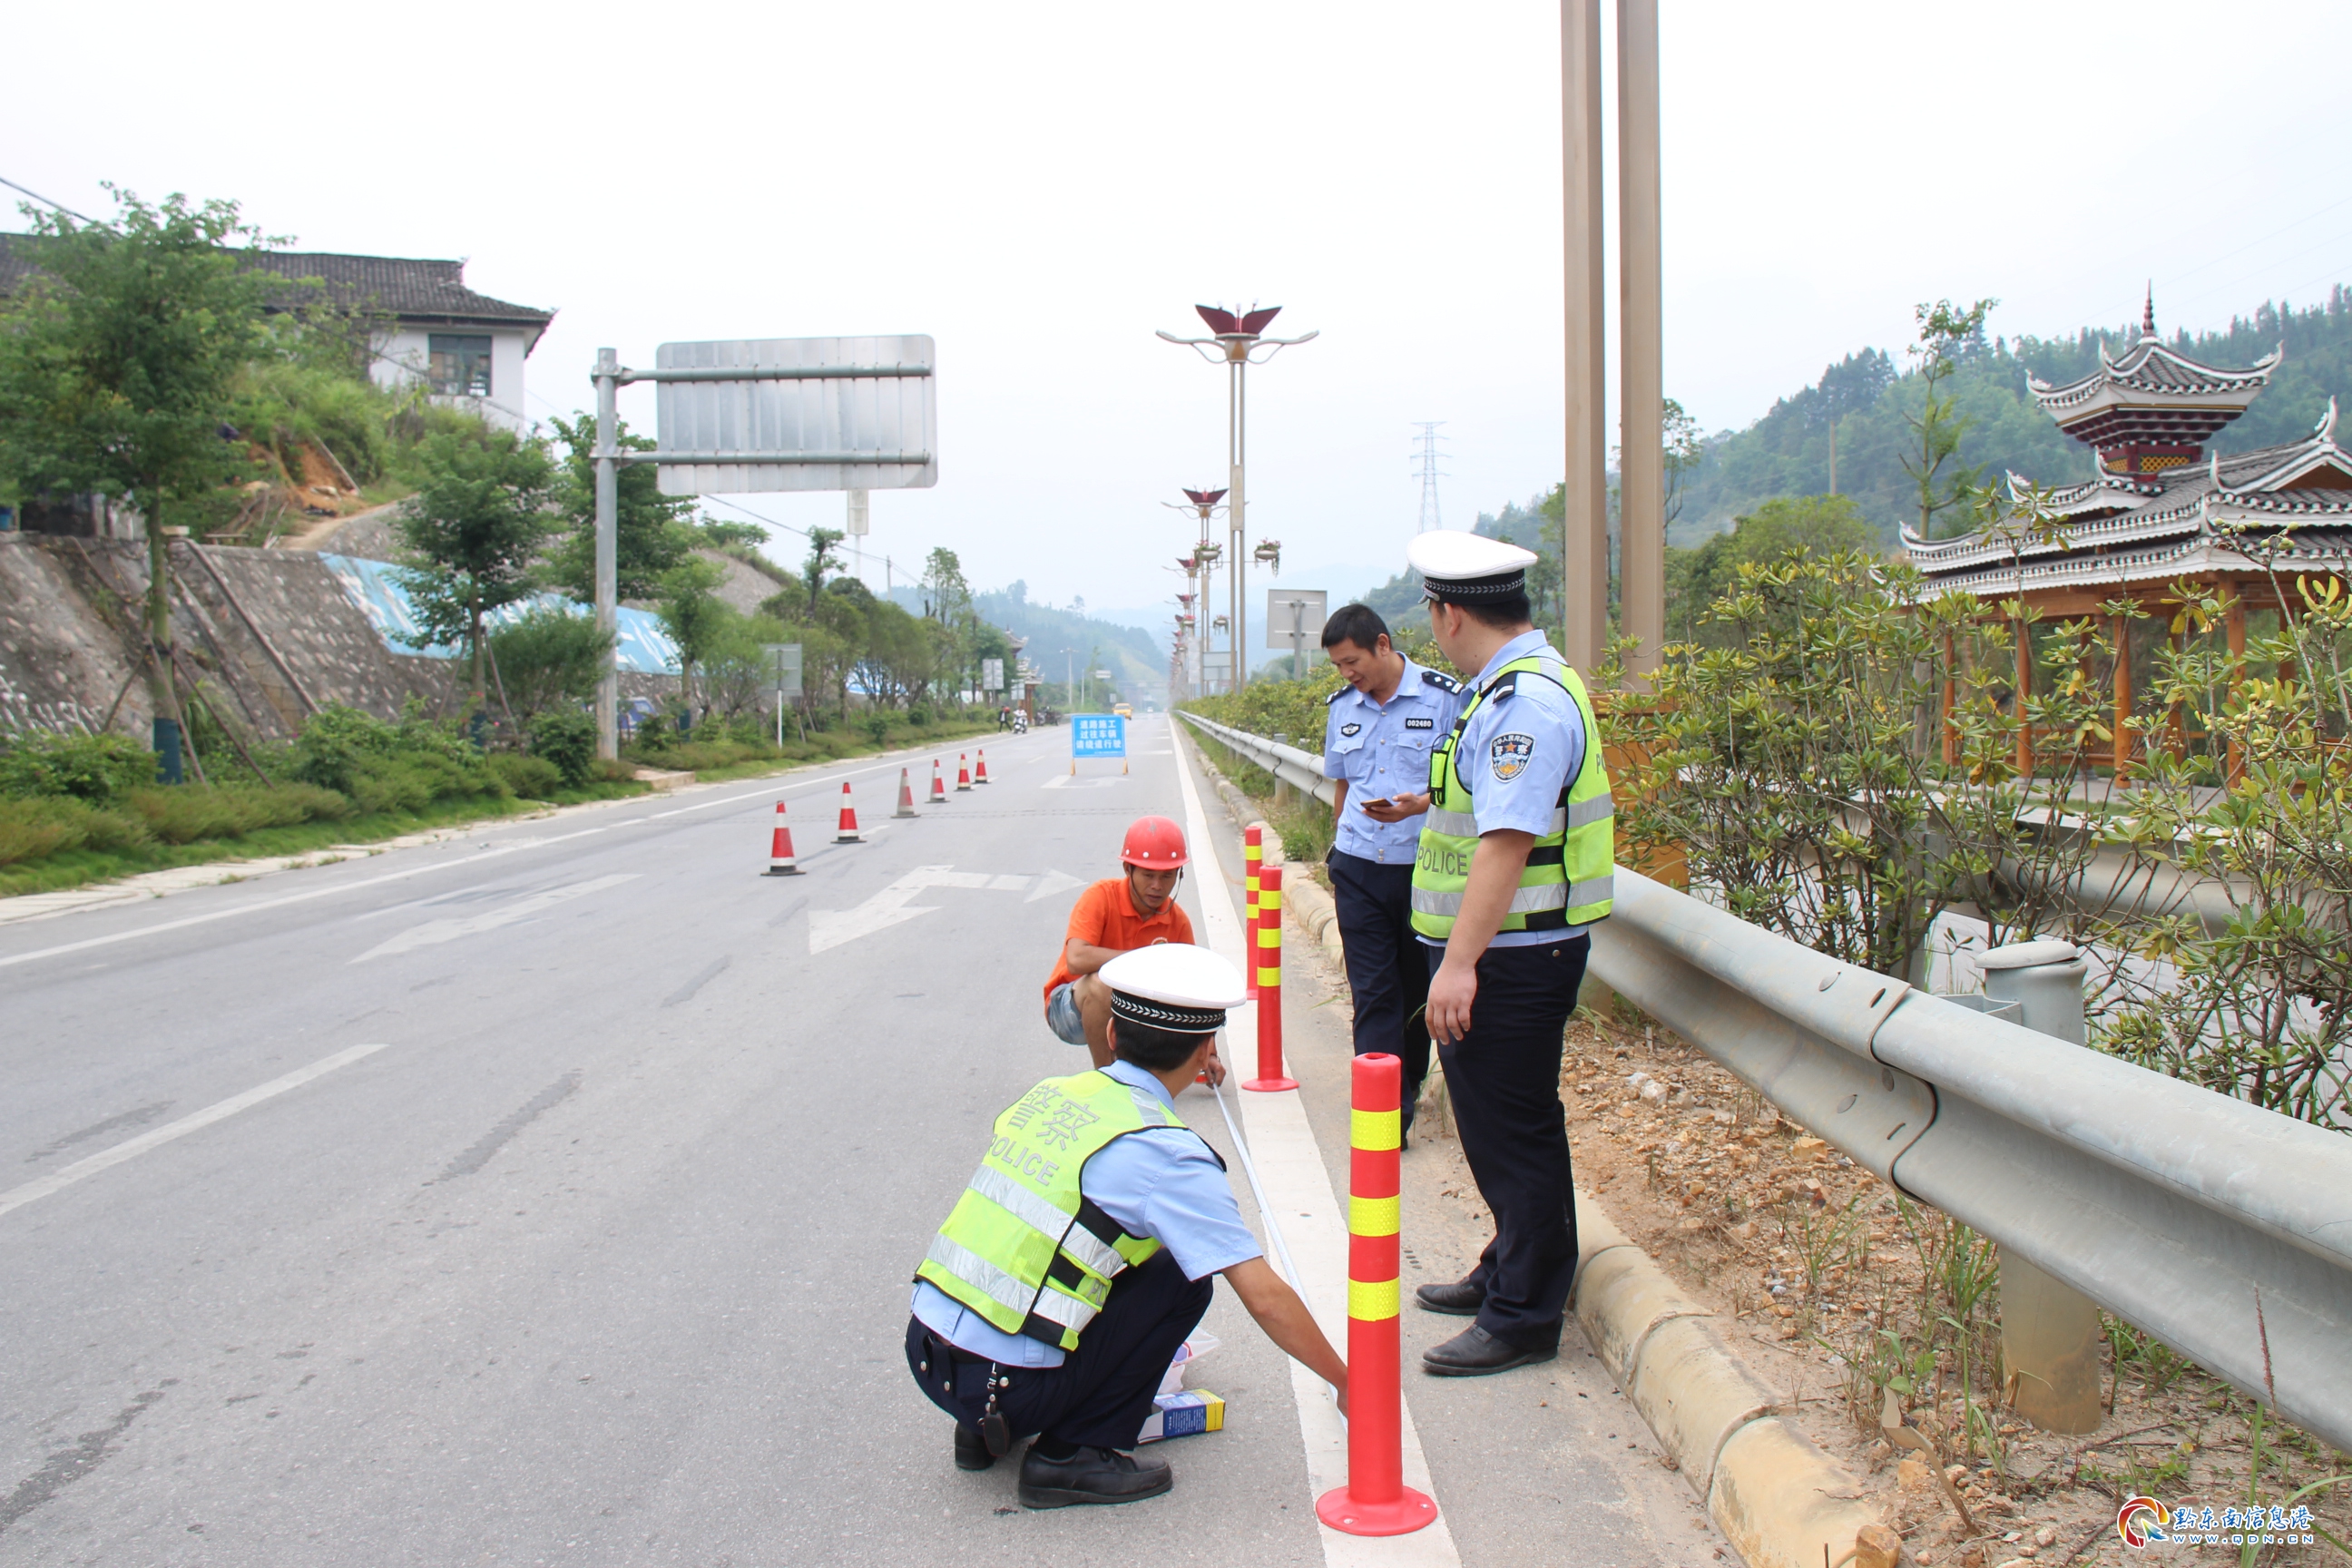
{"x": 848, "y": 833}
{"x": 938, "y": 786}
{"x": 980, "y": 769}
{"x": 780, "y": 859}
{"x": 906, "y": 796}
{"x": 963, "y": 771}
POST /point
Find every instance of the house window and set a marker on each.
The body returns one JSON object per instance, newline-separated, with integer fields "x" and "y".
{"x": 461, "y": 365}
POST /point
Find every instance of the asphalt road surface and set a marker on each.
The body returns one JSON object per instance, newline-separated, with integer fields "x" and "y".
{"x": 550, "y": 1194}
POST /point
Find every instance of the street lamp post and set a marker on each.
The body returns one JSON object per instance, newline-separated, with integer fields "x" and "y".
{"x": 1203, "y": 504}
{"x": 1236, "y": 344}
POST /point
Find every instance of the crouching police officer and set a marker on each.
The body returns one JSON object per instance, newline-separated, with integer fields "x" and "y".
{"x": 1079, "y": 1258}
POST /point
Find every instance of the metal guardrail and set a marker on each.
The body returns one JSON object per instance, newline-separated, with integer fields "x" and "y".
{"x": 1302, "y": 771}
{"x": 2223, "y": 1229}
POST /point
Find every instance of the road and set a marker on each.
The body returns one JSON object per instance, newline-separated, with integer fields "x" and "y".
{"x": 550, "y": 1195}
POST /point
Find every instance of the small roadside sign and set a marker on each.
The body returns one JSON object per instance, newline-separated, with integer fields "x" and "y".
{"x": 787, "y": 659}
{"x": 991, "y": 675}
{"x": 1097, "y": 735}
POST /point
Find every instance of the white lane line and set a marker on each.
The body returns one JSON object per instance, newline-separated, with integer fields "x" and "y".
{"x": 1290, "y": 1164}
{"x": 220, "y": 1110}
{"x": 162, "y": 926}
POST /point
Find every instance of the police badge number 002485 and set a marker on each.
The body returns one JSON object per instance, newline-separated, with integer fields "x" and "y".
{"x": 1509, "y": 754}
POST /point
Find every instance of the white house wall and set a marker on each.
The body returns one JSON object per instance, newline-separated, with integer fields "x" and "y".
{"x": 404, "y": 353}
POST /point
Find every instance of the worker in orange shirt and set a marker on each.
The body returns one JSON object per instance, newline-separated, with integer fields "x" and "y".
{"x": 1115, "y": 915}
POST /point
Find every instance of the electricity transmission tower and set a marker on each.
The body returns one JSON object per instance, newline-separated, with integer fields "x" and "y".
{"x": 1427, "y": 457}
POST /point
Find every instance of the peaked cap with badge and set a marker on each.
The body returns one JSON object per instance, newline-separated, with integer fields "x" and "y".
{"x": 1468, "y": 568}
{"x": 1174, "y": 985}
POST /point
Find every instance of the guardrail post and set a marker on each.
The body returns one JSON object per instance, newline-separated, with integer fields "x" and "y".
{"x": 1281, "y": 784}
{"x": 2049, "y": 1332}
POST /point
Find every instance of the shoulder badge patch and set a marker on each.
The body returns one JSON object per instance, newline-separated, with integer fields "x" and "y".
{"x": 1349, "y": 729}
{"x": 1442, "y": 682}
{"x": 1344, "y": 689}
{"x": 1510, "y": 755}
{"x": 1423, "y": 722}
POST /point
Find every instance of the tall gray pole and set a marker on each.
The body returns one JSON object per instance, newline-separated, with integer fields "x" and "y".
{"x": 608, "y": 685}
{"x": 1642, "y": 531}
{"x": 1237, "y": 448}
{"x": 1584, "y": 599}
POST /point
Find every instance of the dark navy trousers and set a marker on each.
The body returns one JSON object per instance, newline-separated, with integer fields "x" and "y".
{"x": 1503, "y": 1080}
{"x": 1101, "y": 1393}
{"x": 1388, "y": 967}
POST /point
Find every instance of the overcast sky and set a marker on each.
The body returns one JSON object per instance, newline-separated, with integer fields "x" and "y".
{"x": 1040, "y": 186}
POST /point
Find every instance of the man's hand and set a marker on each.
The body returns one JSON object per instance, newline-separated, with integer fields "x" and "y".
{"x": 1451, "y": 991}
{"x": 1214, "y": 1069}
{"x": 1287, "y": 1323}
{"x": 1396, "y": 808}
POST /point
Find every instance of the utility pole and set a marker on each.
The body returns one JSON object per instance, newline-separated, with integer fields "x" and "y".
{"x": 1642, "y": 529}
{"x": 1584, "y": 599}
{"x": 1237, "y": 338}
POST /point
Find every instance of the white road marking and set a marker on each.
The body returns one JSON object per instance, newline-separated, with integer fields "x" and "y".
{"x": 891, "y": 906}
{"x": 220, "y": 1110}
{"x": 433, "y": 933}
{"x": 1290, "y": 1164}
{"x": 1051, "y": 883}
{"x": 162, "y": 926}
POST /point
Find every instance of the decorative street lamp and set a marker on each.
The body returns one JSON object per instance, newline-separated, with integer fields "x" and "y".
{"x": 1237, "y": 345}
{"x": 1203, "y": 503}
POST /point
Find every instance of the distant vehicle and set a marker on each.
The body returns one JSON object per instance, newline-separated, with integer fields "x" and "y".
{"x": 1122, "y": 710}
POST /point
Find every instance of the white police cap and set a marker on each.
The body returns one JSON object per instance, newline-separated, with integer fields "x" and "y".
{"x": 1468, "y": 567}
{"x": 1174, "y": 985}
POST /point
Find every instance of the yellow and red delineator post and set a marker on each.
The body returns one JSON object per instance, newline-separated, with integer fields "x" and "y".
{"x": 1253, "y": 858}
{"x": 1375, "y": 1501}
{"x": 1267, "y": 929}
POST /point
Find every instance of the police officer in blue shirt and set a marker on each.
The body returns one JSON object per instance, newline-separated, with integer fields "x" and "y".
{"x": 1079, "y": 1256}
{"x": 1377, "y": 736}
{"x": 1514, "y": 864}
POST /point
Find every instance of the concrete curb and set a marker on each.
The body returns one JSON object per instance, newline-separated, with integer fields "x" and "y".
{"x": 1778, "y": 1498}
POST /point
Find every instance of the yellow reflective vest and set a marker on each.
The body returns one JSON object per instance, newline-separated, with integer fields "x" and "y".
{"x": 1569, "y": 874}
{"x": 1024, "y": 1247}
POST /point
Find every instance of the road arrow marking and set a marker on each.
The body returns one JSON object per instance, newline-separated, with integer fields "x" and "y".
{"x": 895, "y": 905}
{"x": 435, "y": 931}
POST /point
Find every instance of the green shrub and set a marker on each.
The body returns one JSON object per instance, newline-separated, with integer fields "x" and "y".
{"x": 384, "y": 767}
{"x": 533, "y": 778}
{"x": 611, "y": 770}
{"x": 549, "y": 660}
{"x": 30, "y": 829}
{"x": 566, "y": 738}
{"x": 393, "y": 785}
{"x": 99, "y": 768}
{"x": 192, "y": 811}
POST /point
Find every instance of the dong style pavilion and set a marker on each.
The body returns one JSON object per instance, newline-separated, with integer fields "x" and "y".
{"x": 2162, "y": 510}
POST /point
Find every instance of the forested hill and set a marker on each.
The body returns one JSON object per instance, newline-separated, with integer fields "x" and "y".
{"x": 1141, "y": 666}
{"x": 1786, "y": 453}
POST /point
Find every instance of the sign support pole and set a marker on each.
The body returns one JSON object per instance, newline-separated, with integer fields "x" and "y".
{"x": 608, "y": 527}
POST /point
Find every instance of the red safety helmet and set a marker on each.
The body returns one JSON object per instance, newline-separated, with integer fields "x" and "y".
{"x": 1154, "y": 843}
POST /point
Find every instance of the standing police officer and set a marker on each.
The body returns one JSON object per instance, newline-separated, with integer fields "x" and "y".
{"x": 1078, "y": 1257}
{"x": 1516, "y": 860}
{"x": 1377, "y": 738}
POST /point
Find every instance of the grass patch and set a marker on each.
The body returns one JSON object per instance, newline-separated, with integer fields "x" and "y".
{"x": 78, "y": 868}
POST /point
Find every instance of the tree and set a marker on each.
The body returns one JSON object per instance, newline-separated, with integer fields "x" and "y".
{"x": 473, "y": 529}
{"x": 117, "y": 362}
{"x": 549, "y": 659}
{"x": 1947, "y": 336}
{"x": 695, "y": 616}
{"x": 650, "y": 535}
{"x": 820, "y": 560}
{"x": 1685, "y": 449}
{"x": 1805, "y": 525}
{"x": 946, "y": 595}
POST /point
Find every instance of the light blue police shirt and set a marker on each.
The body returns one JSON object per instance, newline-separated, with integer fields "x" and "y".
{"x": 1161, "y": 1182}
{"x": 1537, "y": 736}
{"x": 1382, "y": 750}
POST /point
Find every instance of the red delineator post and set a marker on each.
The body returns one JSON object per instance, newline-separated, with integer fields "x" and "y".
{"x": 963, "y": 771}
{"x": 1253, "y": 856}
{"x": 1375, "y": 1501}
{"x": 1268, "y": 965}
{"x": 781, "y": 861}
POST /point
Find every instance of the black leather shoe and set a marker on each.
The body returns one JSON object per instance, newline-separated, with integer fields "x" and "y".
{"x": 1474, "y": 1352}
{"x": 1461, "y": 1298}
{"x": 971, "y": 1454}
{"x": 1091, "y": 1475}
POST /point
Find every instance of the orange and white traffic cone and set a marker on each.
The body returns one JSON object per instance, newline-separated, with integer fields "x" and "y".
{"x": 963, "y": 771}
{"x": 848, "y": 833}
{"x": 980, "y": 767}
{"x": 906, "y": 796}
{"x": 938, "y": 786}
{"x": 780, "y": 859}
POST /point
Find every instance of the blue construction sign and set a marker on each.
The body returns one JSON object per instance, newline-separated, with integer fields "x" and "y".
{"x": 1097, "y": 735}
